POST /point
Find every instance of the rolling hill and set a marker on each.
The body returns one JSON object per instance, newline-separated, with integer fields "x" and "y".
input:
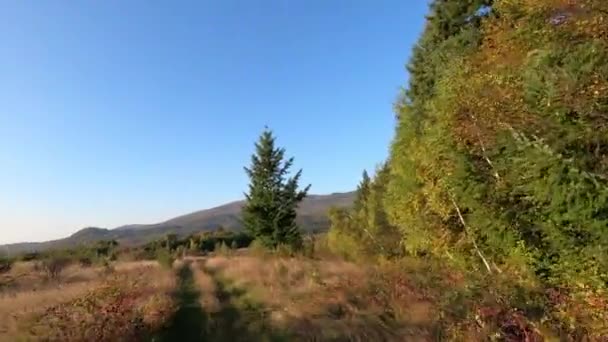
{"x": 312, "y": 215}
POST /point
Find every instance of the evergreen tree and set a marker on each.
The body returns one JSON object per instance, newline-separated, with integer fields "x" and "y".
{"x": 423, "y": 153}
{"x": 362, "y": 192}
{"x": 270, "y": 212}
{"x": 365, "y": 230}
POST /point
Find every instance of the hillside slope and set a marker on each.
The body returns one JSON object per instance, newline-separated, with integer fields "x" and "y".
{"x": 312, "y": 216}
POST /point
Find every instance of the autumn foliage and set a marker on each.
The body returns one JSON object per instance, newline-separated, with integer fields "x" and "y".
{"x": 499, "y": 165}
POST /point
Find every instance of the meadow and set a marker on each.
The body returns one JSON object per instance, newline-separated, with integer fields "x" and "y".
{"x": 243, "y": 295}
{"x": 123, "y": 301}
{"x": 249, "y": 295}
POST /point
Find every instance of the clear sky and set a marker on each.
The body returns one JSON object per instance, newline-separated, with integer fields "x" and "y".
{"x": 116, "y": 112}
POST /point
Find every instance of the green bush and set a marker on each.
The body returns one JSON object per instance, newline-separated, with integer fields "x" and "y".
{"x": 222, "y": 249}
{"x": 344, "y": 244}
{"x": 5, "y": 264}
{"x": 85, "y": 261}
{"x": 180, "y": 251}
{"x": 31, "y": 256}
{"x": 164, "y": 258}
{"x": 258, "y": 249}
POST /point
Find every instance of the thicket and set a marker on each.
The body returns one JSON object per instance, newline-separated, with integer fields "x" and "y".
{"x": 53, "y": 265}
{"x": 499, "y": 164}
{"x": 86, "y": 255}
{"x": 103, "y": 253}
{"x": 6, "y": 264}
{"x": 53, "y": 262}
{"x": 164, "y": 258}
{"x": 195, "y": 244}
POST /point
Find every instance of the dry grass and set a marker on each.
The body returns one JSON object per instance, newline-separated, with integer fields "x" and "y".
{"x": 19, "y": 305}
{"x": 86, "y": 303}
{"x": 310, "y": 300}
{"x": 324, "y": 300}
{"x": 288, "y": 283}
{"x": 207, "y": 287}
{"x": 28, "y": 276}
{"x": 134, "y": 265}
{"x": 152, "y": 294}
{"x": 27, "y": 291}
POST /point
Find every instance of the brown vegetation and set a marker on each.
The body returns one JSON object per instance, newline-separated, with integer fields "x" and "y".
{"x": 327, "y": 300}
{"x": 86, "y": 303}
{"x": 254, "y": 295}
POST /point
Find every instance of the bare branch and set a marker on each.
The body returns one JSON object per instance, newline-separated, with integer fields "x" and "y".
{"x": 466, "y": 229}
{"x": 483, "y": 147}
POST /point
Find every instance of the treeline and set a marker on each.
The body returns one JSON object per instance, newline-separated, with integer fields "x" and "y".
{"x": 106, "y": 251}
{"x": 499, "y": 164}
{"x": 53, "y": 262}
{"x": 86, "y": 254}
{"x": 196, "y": 244}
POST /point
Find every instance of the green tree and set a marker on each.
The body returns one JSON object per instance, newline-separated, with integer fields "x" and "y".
{"x": 269, "y": 214}
{"x": 105, "y": 248}
{"x": 425, "y": 159}
{"x": 365, "y": 229}
{"x": 195, "y": 242}
{"x": 6, "y": 264}
{"x": 171, "y": 241}
{"x": 362, "y": 192}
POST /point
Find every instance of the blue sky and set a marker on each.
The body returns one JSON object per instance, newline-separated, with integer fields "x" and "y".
{"x": 115, "y": 112}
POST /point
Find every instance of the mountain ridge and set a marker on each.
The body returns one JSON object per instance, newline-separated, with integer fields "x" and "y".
{"x": 312, "y": 216}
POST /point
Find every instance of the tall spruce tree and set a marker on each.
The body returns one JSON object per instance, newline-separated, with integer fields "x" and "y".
{"x": 270, "y": 212}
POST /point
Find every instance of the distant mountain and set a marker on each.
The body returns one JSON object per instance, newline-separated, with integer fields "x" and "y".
{"x": 312, "y": 215}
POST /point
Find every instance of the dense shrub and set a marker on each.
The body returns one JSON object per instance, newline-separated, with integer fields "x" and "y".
{"x": 85, "y": 261}
{"x": 5, "y": 264}
{"x": 30, "y": 256}
{"x": 222, "y": 249}
{"x": 258, "y": 249}
{"x": 54, "y": 265}
{"x": 164, "y": 258}
{"x": 364, "y": 230}
{"x": 195, "y": 244}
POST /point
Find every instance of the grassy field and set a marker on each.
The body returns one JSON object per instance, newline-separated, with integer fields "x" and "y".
{"x": 245, "y": 297}
{"x": 126, "y": 301}
{"x": 312, "y": 300}
{"x": 216, "y": 298}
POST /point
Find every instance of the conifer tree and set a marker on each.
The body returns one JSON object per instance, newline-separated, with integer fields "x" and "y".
{"x": 270, "y": 212}
{"x": 362, "y": 192}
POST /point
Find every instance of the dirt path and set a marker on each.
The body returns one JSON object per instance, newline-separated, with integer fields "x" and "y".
{"x": 237, "y": 318}
{"x": 189, "y": 320}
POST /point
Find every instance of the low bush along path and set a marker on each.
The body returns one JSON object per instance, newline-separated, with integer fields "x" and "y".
{"x": 236, "y": 318}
